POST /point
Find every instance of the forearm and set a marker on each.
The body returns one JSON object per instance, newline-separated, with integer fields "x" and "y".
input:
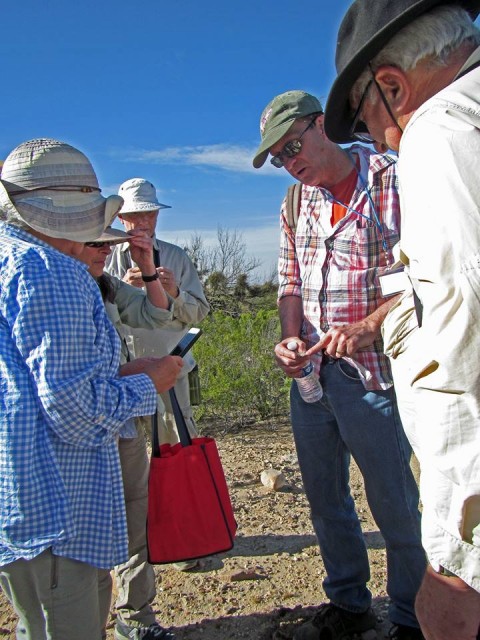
{"x": 376, "y": 318}
{"x": 290, "y": 310}
{"x": 156, "y": 293}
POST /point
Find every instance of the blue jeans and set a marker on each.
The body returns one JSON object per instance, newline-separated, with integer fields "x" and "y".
{"x": 366, "y": 424}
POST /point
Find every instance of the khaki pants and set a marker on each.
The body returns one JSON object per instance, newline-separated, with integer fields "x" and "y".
{"x": 57, "y": 598}
{"x": 135, "y": 579}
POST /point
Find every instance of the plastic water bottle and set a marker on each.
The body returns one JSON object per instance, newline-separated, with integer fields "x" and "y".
{"x": 308, "y": 384}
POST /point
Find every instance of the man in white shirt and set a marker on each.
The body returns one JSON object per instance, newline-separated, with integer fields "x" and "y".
{"x": 409, "y": 76}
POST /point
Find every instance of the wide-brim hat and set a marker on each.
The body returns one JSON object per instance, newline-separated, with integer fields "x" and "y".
{"x": 366, "y": 28}
{"x": 139, "y": 195}
{"x": 115, "y": 236}
{"x": 279, "y": 115}
{"x": 54, "y": 190}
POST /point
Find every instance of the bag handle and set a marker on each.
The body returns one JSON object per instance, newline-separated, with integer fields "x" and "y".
{"x": 183, "y": 434}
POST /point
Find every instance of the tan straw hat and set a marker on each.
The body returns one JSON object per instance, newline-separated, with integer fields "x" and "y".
{"x": 55, "y": 191}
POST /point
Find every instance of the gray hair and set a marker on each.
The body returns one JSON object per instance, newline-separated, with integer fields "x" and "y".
{"x": 436, "y": 34}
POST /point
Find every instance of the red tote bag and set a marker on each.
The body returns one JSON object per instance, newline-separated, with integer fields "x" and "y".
{"x": 189, "y": 510}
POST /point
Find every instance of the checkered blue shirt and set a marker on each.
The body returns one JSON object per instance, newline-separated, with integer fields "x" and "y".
{"x": 62, "y": 404}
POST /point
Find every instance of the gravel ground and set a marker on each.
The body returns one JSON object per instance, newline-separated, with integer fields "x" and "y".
{"x": 270, "y": 582}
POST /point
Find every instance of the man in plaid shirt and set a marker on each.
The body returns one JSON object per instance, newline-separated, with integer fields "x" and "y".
{"x": 331, "y": 260}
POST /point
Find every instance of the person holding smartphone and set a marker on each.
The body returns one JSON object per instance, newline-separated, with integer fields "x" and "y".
{"x": 172, "y": 268}
{"x": 146, "y": 309}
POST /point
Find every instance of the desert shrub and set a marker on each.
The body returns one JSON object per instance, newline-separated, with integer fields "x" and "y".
{"x": 240, "y": 380}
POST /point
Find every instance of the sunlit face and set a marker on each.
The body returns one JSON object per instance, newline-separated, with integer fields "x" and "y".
{"x": 143, "y": 221}
{"x": 309, "y": 163}
{"x": 95, "y": 257}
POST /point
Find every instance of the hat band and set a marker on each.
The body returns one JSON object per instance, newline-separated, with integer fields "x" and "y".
{"x": 56, "y": 188}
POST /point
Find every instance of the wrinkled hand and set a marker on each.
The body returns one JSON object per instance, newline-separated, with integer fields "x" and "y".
{"x": 347, "y": 339}
{"x": 290, "y": 361}
{"x": 167, "y": 279}
{"x": 141, "y": 250}
{"x": 134, "y": 277}
{"x": 447, "y": 608}
{"x": 163, "y": 371}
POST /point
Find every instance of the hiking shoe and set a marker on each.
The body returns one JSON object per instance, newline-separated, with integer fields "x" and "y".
{"x": 153, "y": 632}
{"x": 402, "y": 632}
{"x": 333, "y": 623}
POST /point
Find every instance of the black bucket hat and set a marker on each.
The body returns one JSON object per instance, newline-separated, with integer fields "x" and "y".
{"x": 366, "y": 28}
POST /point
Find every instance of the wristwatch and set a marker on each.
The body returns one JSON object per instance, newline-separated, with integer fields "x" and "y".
{"x": 155, "y": 276}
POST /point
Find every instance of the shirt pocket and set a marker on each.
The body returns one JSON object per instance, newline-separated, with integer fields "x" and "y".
{"x": 363, "y": 247}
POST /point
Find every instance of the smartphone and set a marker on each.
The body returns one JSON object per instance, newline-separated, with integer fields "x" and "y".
{"x": 186, "y": 342}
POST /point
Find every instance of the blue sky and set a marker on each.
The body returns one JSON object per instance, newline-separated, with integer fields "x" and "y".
{"x": 169, "y": 91}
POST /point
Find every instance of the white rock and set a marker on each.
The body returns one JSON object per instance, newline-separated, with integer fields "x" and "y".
{"x": 273, "y": 479}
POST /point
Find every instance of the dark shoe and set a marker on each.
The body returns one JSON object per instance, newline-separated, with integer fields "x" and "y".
{"x": 153, "y": 632}
{"x": 402, "y": 632}
{"x": 333, "y": 623}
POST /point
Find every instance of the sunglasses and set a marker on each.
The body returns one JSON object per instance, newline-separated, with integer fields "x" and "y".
{"x": 362, "y": 132}
{"x": 99, "y": 245}
{"x": 291, "y": 148}
{"x": 357, "y": 130}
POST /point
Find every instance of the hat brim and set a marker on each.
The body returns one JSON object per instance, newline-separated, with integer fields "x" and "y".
{"x": 113, "y": 235}
{"x": 82, "y": 217}
{"x": 273, "y": 136}
{"x": 141, "y": 207}
{"x": 338, "y": 113}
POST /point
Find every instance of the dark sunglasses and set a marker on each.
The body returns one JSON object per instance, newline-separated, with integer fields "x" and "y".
{"x": 99, "y": 245}
{"x": 358, "y": 129}
{"x": 362, "y": 132}
{"x": 291, "y": 148}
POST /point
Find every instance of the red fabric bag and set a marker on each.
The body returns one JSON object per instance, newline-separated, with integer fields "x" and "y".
{"x": 189, "y": 510}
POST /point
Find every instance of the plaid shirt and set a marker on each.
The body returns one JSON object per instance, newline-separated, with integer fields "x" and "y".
{"x": 335, "y": 270}
{"x": 62, "y": 404}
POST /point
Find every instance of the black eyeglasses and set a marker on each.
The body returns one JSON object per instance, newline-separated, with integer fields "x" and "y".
{"x": 291, "y": 148}
{"x": 361, "y": 134}
{"x": 99, "y": 245}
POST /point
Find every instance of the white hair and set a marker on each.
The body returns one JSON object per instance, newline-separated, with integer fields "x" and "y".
{"x": 436, "y": 35}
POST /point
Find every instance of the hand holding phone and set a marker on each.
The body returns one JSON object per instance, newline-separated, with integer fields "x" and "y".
{"x": 186, "y": 343}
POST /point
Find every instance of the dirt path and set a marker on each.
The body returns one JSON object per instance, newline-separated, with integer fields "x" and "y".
{"x": 270, "y": 581}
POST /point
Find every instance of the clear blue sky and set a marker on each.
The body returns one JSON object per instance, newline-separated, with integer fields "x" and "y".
{"x": 169, "y": 91}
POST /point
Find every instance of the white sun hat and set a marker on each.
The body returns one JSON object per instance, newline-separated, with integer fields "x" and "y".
{"x": 139, "y": 195}
{"x": 55, "y": 191}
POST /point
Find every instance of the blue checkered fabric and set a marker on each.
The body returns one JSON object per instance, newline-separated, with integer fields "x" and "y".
{"x": 62, "y": 405}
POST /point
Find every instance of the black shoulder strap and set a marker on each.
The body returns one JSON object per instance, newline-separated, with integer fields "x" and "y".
{"x": 156, "y": 257}
{"x": 294, "y": 193}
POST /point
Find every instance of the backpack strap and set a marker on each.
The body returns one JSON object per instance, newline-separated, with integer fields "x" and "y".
{"x": 292, "y": 203}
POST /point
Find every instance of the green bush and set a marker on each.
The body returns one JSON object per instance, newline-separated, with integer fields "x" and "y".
{"x": 241, "y": 383}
